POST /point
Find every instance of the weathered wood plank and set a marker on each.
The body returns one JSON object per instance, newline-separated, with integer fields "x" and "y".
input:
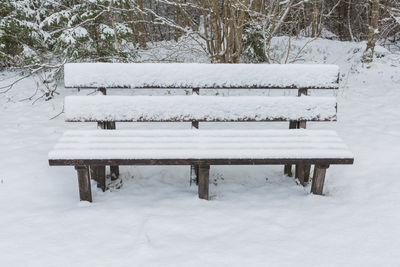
{"x": 98, "y": 173}
{"x": 307, "y": 170}
{"x": 196, "y": 91}
{"x": 303, "y": 173}
{"x": 102, "y": 90}
{"x": 187, "y": 76}
{"x": 101, "y": 177}
{"x": 288, "y": 170}
{"x": 195, "y": 124}
{"x": 85, "y": 191}
{"x": 194, "y": 174}
{"x": 210, "y": 161}
{"x": 214, "y": 120}
{"x": 102, "y": 125}
{"x": 204, "y": 181}
{"x": 93, "y": 172}
{"x": 336, "y": 87}
{"x": 317, "y": 185}
{"x": 302, "y": 91}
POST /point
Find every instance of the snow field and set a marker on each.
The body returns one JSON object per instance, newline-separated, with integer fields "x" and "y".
{"x": 257, "y": 216}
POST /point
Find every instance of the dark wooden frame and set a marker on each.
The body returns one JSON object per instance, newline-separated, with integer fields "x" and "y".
{"x": 209, "y": 161}
{"x": 336, "y": 86}
{"x": 95, "y": 169}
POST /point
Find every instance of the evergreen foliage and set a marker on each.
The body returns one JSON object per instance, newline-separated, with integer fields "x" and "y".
{"x": 37, "y": 32}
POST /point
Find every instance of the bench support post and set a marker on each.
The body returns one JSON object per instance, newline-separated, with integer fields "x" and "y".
{"x": 108, "y": 125}
{"x": 93, "y": 173}
{"x": 318, "y": 179}
{"x": 194, "y": 174}
{"x": 204, "y": 181}
{"x": 85, "y": 191}
{"x": 303, "y": 171}
{"x": 288, "y": 167}
{"x": 114, "y": 170}
{"x": 98, "y": 173}
{"x": 194, "y": 169}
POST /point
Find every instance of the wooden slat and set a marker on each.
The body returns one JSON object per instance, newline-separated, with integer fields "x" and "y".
{"x": 199, "y": 108}
{"x": 208, "y": 88}
{"x": 178, "y": 75}
{"x": 277, "y": 119}
{"x": 287, "y": 145}
{"x": 210, "y": 161}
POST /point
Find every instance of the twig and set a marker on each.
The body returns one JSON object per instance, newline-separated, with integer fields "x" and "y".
{"x": 62, "y": 111}
{"x": 10, "y": 86}
{"x": 30, "y": 98}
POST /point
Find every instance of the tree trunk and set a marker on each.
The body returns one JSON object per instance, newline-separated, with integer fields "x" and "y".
{"x": 373, "y": 32}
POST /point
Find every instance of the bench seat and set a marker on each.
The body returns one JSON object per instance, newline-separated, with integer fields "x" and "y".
{"x": 129, "y": 147}
{"x": 97, "y": 148}
{"x": 199, "y": 108}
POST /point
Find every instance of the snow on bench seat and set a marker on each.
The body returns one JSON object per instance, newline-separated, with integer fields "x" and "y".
{"x": 199, "y": 144}
{"x": 200, "y": 108}
{"x": 194, "y": 75}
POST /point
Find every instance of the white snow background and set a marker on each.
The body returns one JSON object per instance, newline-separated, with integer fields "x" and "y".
{"x": 257, "y": 216}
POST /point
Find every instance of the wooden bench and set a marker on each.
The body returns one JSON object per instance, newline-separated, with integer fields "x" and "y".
{"x": 106, "y": 110}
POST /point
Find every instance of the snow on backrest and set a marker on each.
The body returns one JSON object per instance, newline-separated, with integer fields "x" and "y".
{"x": 194, "y": 75}
{"x": 201, "y": 108}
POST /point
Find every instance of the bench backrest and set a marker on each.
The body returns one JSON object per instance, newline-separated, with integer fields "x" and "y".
{"x": 205, "y": 76}
{"x": 199, "y": 108}
{"x": 195, "y": 77}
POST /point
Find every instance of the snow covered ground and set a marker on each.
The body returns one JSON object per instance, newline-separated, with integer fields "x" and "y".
{"x": 257, "y": 216}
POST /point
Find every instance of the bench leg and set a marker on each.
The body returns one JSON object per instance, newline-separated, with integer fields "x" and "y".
{"x": 194, "y": 169}
{"x": 307, "y": 169}
{"x": 110, "y": 125}
{"x": 288, "y": 167}
{"x": 194, "y": 174}
{"x": 93, "y": 173}
{"x": 98, "y": 173}
{"x": 318, "y": 179}
{"x": 303, "y": 173}
{"x": 288, "y": 170}
{"x": 85, "y": 192}
{"x": 101, "y": 177}
{"x": 204, "y": 181}
{"x": 114, "y": 170}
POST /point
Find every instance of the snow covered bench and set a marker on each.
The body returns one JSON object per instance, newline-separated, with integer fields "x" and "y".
{"x": 202, "y": 148}
{"x": 106, "y": 110}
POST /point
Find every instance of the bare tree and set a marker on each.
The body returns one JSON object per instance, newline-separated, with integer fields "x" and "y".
{"x": 373, "y": 32}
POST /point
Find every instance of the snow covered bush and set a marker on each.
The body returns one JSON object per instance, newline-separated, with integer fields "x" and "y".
{"x": 88, "y": 31}
{"x": 21, "y": 39}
